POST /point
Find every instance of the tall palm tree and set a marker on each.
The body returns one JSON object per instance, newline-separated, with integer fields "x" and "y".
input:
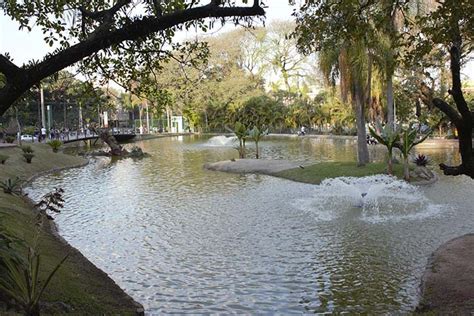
{"x": 350, "y": 63}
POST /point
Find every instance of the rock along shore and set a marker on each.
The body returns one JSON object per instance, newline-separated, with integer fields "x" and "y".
{"x": 448, "y": 282}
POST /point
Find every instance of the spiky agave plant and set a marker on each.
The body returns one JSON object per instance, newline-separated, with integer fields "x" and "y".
{"x": 10, "y": 186}
{"x": 421, "y": 160}
{"x": 55, "y": 144}
{"x": 27, "y": 149}
{"x": 20, "y": 280}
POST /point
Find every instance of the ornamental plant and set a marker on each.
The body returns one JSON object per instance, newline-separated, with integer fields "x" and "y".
{"x": 55, "y": 144}
{"x": 10, "y": 186}
{"x": 421, "y": 160}
{"x": 409, "y": 138}
{"x": 388, "y": 137}
{"x": 240, "y": 131}
{"x": 256, "y": 135}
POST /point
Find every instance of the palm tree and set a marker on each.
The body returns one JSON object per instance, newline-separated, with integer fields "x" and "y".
{"x": 350, "y": 62}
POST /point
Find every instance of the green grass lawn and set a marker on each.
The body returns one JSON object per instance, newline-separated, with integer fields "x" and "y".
{"x": 79, "y": 285}
{"x": 318, "y": 172}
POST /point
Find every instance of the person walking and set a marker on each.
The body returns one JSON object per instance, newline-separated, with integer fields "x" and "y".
{"x": 43, "y": 134}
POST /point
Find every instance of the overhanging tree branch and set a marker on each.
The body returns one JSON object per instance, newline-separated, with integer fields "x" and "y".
{"x": 135, "y": 30}
{"x": 8, "y": 68}
{"x": 104, "y": 14}
{"x": 427, "y": 98}
{"x": 19, "y": 82}
{"x": 448, "y": 110}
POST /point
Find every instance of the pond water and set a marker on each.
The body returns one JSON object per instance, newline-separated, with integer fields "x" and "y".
{"x": 181, "y": 239}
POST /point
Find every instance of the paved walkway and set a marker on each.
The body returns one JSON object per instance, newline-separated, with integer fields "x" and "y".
{"x": 6, "y": 145}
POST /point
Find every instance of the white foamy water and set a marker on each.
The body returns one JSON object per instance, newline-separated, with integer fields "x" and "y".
{"x": 218, "y": 141}
{"x": 377, "y": 199}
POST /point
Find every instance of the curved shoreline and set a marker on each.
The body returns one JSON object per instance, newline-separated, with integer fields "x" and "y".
{"x": 84, "y": 288}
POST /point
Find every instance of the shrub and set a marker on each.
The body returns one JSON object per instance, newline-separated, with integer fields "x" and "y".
{"x": 51, "y": 202}
{"x": 10, "y": 186}
{"x": 55, "y": 144}
{"x": 21, "y": 280}
{"x": 28, "y": 157}
{"x": 3, "y": 158}
{"x": 10, "y": 139}
{"x": 27, "y": 149}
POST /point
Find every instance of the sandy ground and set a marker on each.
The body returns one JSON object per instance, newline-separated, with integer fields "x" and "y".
{"x": 260, "y": 166}
{"x": 448, "y": 282}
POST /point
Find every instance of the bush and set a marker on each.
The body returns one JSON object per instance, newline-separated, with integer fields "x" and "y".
{"x": 10, "y": 186}
{"x": 55, "y": 144}
{"x": 51, "y": 202}
{"x": 3, "y": 158}
{"x": 28, "y": 157}
{"x": 20, "y": 279}
{"x": 10, "y": 139}
{"x": 27, "y": 149}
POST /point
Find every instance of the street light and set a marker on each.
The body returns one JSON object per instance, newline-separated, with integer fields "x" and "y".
{"x": 49, "y": 110}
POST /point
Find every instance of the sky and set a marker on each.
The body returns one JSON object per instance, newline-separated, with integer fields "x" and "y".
{"x": 25, "y": 46}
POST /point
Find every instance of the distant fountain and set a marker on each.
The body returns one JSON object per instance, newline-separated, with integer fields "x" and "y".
{"x": 379, "y": 197}
{"x": 219, "y": 141}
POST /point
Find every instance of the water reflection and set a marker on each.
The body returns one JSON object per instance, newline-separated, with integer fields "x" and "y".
{"x": 181, "y": 239}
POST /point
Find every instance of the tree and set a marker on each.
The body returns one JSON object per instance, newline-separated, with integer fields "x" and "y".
{"x": 342, "y": 33}
{"x": 108, "y": 36}
{"x": 256, "y": 135}
{"x": 282, "y": 54}
{"x": 450, "y": 28}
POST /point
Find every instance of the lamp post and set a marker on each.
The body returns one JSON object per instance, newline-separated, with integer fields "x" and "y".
{"x": 43, "y": 117}
{"x": 49, "y": 109}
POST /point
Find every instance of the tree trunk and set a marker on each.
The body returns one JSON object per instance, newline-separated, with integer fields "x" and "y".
{"x": 256, "y": 150}
{"x": 115, "y": 148}
{"x": 390, "y": 102}
{"x": 406, "y": 169}
{"x": 390, "y": 163}
{"x": 461, "y": 116}
{"x": 465, "y": 149}
{"x": 362, "y": 149}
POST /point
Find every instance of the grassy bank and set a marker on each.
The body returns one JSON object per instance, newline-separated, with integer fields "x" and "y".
{"x": 78, "y": 287}
{"x": 316, "y": 173}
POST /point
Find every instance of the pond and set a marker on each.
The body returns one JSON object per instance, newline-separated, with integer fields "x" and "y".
{"x": 181, "y": 239}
